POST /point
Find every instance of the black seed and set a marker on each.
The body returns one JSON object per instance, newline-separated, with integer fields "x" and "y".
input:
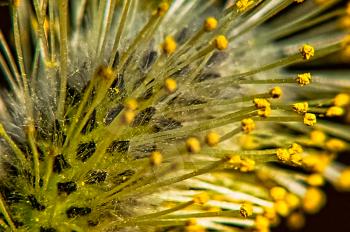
{"x": 208, "y": 76}
{"x": 60, "y": 164}
{"x": 77, "y": 211}
{"x": 182, "y": 35}
{"x": 144, "y": 117}
{"x": 112, "y": 113}
{"x": 123, "y": 176}
{"x": 91, "y": 123}
{"x": 167, "y": 124}
{"x": 86, "y": 150}
{"x": 67, "y": 187}
{"x": 148, "y": 60}
{"x": 96, "y": 176}
{"x": 35, "y": 204}
{"x": 217, "y": 58}
{"x": 47, "y": 229}
{"x": 118, "y": 146}
{"x": 147, "y": 94}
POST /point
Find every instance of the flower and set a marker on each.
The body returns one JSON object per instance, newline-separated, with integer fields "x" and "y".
{"x": 128, "y": 115}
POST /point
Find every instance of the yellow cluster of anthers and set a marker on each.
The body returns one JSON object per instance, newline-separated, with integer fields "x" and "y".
{"x": 241, "y": 164}
{"x": 263, "y": 106}
{"x": 304, "y": 79}
{"x": 307, "y": 51}
{"x": 292, "y": 155}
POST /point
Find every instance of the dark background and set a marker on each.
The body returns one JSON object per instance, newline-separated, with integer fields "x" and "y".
{"x": 335, "y": 216}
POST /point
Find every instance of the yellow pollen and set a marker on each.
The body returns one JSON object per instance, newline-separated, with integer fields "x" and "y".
{"x": 295, "y": 149}
{"x": 247, "y": 165}
{"x": 210, "y": 24}
{"x": 248, "y": 125}
{"x": 169, "y": 45}
{"x": 242, "y": 5}
{"x": 170, "y": 85}
{"x": 105, "y": 72}
{"x": 276, "y": 92}
{"x": 247, "y": 142}
{"x": 262, "y": 223}
{"x": 283, "y": 155}
{"x": 315, "y": 180}
{"x": 201, "y": 198}
{"x": 193, "y": 145}
{"x": 316, "y": 163}
{"x": 317, "y": 136}
{"x": 348, "y": 8}
{"x": 307, "y": 51}
{"x": 278, "y": 193}
{"x": 336, "y": 145}
{"x": 194, "y": 228}
{"x": 344, "y": 22}
{"x": 162, "y": 8}
{"x": 304, "y": 79}
{"x": 156, "y": 158}
{"x": 220, "y": 42}
{"x": 261, "y": 103}
{"x": 235, "y": 161}
{"x": 212, "y": 139}
{"x": 292, "y": 200}
{"x": 131, "y": 104}
{"x": 343, "y": 182}
{"x": 300, "y": 107}
{"x": 270, "y": 213}
{"x": 264, "y": 112}
{"x": 282, "y": 208}
{"x": 128, "y": 117}
{"x": 309, "y": 119}
{"x": 246, "y": 210}
{"x": 313, "y": 200}
{"x": 341, "y": 99}
{"x": 296, "y": 159}
{"x": 334, "y": 111}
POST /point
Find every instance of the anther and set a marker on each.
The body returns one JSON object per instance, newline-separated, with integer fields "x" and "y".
{"x": 307, "y": 51}
{"x": 170, "y": 85}
{"x": 212, "y": 139}
{"x": 221, "y": 42}
{"x": 276, "y": 92}
{"x": 246, "y": 210}
{"x": 304, "y": 79}
{"x": 300, "y": 107}
{"x": 169, "y": 45}
{"x": 248, "y": 125}
{"x": 156, "y": 158}
{"x": 335, "y": 111}
{"x": 193, "y": 145}
{"x": 210, "y": 24}
{"x": 309, "y": 119}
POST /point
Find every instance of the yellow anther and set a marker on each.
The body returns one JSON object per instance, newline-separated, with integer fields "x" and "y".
{"x": 212, "y": 139}
{"x": 210, "y": 24}
{"x": 300, "y": 107}
{"x": 296, "y": 159}
{"x": 278, "y": 193}
{"x": 299, "y": 1}
{"x": 276, "y": 92}
{"x": 193, "y": 145}
{"x": 156, "y": 158}
{"x": 235, "y": 161}
{"x": 16, "y": 3}
{"x": 264, "y": 112}
{"x": 247, "y": 165}
{"x": 344, "y": 22}
{"x": 315, "y": 180}
{"x": 304, "y": 79}
{"x": 131, "y": 104}
{"x": 335, "y": 111}
{"x": 316, "y": 163}
{"x": 170, "y": 85}
{"x": 201, "y": 198}
{"x": 341, "y": 99}
{"x": 247, "y": 142}
{"x": 270, "y": 213}
{"x": 335, "y": 145}
{"x": 242, "y": 5}
{"x": 220, "y": 42}
{"x": 295, "y": 149}
{"x": 348, "y": 8}
{"x": 248, "y": 125}
{"x": 310, "y": 119}
{"x": 262, "y": 223}
{"x": 282, "y": 208}
{"x": 313, "y": 200}
{"x": 307, "y": 51}
{"x": 105, "y": 72}
{"x": 343, "y": 182}
{"x": 292, "y": 200}
{"x": 283, "y": 155}
{"x": 318, "y": 137}
{"x": 296, "y": 221}
{"x": 194, "y": 228}
{"x": 163, "y": 7}
{"x": 261, "y": 103}
{"x": 169, "y": 45}
{"x": 128, "y": 116}
{"x": 191, "y": 222}
{"x": 246, "y": 210}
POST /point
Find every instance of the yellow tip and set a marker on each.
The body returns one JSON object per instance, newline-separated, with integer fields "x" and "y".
{"x": 163, "y": 7}
{"x": 295, "y": 149}
{"x": 246, "y": 210}
{"x": 169, "y": 45}
{"x": 262, "y": 223}
{"x": 304, "y": 79}
{"x": 170, "y": 85}
{"x": 300, "y": 107}
{"x": 278, "y": 193}
{"x": 201, "y": 198}
{"x": 310, "y": 119}
{"x": 105, "y": 72}
{"x": 212, "y": 139}
{"x": 220, "y": 42}
{"x": 243, "y": 5}
{"x": 264, "y": 112}
{"x": 335, "y": 111}
{"x": 210, "y": 24}
{"x": 314, "y": 200}
{"x": 282, "y": 208}
{"x": 248, "y": 125}
{"x": 315, "y": 180}
{"x": 317, "y": 137}
{"x": 276, "y": 92}
{"x": 131, "y": 104}
{"x": 283, "y": 155}
{"x": 307, "y": 51}
{"x": 193, "y": 145}
{"x": 156, "y": 158}
{"x": 336, "y": 145}
{"x": 341, "y": 99}
{"x": 128, "y": 117}
{"x": 261, "y": 103}
{"x": 343, "y": 182}
{"x": 292, "y": 200}
{"x": 247, "y": 165}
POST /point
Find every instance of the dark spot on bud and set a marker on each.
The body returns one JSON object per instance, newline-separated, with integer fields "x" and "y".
{"x": 112, "y": 113}
{"x": 90, "y": 124}
{"x": 181, "y": 72}
{"x": 147, "y": 94}
{"x": 166, "y": 124}
{"x": 35, "y": 204}
{"x": 217, "y": 58}
{"x": 60, "y": 164}
{"x": 148, "y": 60}
{"x": 47, "y": 229}
{"x": 118, "y": 146}
{"x": 73, "y": 212}
{"x": 58, "y": 133}
{"x": 123, "y": 176}
{"x": 10, "y": 195}
{"x": 208, "y": 76}
{"x": 96, "y": 176}
{"x": 144, "y": 117}
{"x": 86, "y": 150}
{"x": 182, "y": 35}
{"x": 67, "y": 187}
